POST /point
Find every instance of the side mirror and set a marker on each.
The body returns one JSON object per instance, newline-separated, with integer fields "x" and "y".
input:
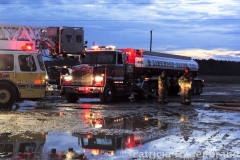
{"x": 83, "y": 55}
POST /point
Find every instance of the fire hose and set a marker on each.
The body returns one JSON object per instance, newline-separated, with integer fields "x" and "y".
{"x": 221, "y": 104}
{"x": 153, "y": 95}
{"x": 227, "y": 106}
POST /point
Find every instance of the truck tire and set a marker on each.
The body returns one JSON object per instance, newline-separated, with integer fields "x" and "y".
{"x": 198, "y": 88}
{"x": 194, "y": 88}
{"x": 8, "y": 95}
{"x": 107, "y": 95}
{"x": 153, "y": 89}
{"x": 108, "y": 120}
{"x": 173, "y": 91}
{"x": 145, "y": 95}
{"x": 71, "y": 97}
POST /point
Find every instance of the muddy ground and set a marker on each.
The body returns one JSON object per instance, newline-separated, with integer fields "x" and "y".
{"x": 130, "y": 130}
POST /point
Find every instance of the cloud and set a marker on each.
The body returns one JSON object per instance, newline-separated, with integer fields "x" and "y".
{"x": 218, "y": 54}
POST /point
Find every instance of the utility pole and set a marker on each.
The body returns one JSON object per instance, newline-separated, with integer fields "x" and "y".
{"x": 150, "y": 40}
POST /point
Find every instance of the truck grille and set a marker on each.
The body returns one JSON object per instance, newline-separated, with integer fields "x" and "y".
{"x": 82, "y": 75}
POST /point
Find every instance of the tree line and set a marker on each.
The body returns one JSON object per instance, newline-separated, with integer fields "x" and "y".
{"x": 218, "y": 67}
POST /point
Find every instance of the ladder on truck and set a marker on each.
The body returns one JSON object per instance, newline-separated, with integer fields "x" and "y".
{"x": 13, "y": 37}
{"x": 59, "y": 40}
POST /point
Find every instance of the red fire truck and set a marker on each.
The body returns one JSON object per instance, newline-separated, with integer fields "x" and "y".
{"x": 107, "y": 72}
{"x": 22, "y": 70}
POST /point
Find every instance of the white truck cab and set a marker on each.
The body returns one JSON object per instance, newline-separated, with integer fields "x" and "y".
{"x": 22, "y": 76}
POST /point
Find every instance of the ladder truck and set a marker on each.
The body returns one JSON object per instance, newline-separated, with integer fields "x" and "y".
{"x": 107, "y": 72}
{"x": 22, "y": 70}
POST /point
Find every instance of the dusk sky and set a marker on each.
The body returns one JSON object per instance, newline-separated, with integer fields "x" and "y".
{"x": 201, "y": 29}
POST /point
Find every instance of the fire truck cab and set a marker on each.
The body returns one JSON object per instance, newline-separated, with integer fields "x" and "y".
{"x": 102, "y": 73}
{"x": 22, "y": 70}
{"x": 22, "y": 76}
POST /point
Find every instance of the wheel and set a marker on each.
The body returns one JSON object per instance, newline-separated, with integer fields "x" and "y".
{"x": 107, "y": 95}
{"x": 145, "y": 95}
{"x": 194, "y": 88}
{"x": 8, "y": 95}
{"x": 198, "y": 88}
{"x": 153, "y": 89}
{"x": 108, "y": 120}
{"x": 63, "y": 91}
{"x": 71, "y": 97}
{"x": 174, "y": 90}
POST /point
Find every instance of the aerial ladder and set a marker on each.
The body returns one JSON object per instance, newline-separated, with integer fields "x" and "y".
{"x": 60, "y": 41}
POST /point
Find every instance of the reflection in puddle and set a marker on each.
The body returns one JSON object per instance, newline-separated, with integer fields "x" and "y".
{"x": 38, "y": 146}
{"x": 128, "y": 122}
{"x": 107, "y": 144}
{"x": 28, "y": 145}
{"x": 142, "y": 129}
{"x": 139, "y": 130}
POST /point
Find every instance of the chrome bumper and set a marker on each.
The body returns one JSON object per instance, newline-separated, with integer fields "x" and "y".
{"x": 52, "y": 91}
{"x": 83, "y": 90}
{"x": 53, "y": 94}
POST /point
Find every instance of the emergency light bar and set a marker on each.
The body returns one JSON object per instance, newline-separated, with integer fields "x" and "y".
{"x": 103, "y": 48}
{"x": 110, "y": 47}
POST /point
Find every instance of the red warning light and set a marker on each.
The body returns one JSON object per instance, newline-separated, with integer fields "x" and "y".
{"x": 89, "y": 136}
{"x": 28, "y": 47}
{"x": 86, "y": 89}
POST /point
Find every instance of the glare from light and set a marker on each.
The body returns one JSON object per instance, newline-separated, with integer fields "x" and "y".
{"x": 68, "y": 78}
{"x": 98, "y": 78}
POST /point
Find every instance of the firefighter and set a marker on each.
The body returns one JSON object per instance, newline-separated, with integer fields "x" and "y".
{"x": 162, "y": 88}
{"x": 24, "y": 64}
{"x": 185, "y": 83}
{"x": 2, "y": 64}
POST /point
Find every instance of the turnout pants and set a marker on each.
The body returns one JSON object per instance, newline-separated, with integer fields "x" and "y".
{"x": 186, "y": 92}
{"x": 162, "y": 95}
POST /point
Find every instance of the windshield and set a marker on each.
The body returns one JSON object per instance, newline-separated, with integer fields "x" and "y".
{"x": 41, "y": 63}
{"x": 102, "y": 57}
{"x": 27, "y": 63}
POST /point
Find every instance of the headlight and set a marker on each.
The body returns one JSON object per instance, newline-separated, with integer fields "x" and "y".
{"x": 98, "y": 78}
{"x": 67, "y": 78}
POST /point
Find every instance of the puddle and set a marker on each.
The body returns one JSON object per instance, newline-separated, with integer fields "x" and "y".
{"x": 172, "y": 131}
{"x": 109, "y": 137}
